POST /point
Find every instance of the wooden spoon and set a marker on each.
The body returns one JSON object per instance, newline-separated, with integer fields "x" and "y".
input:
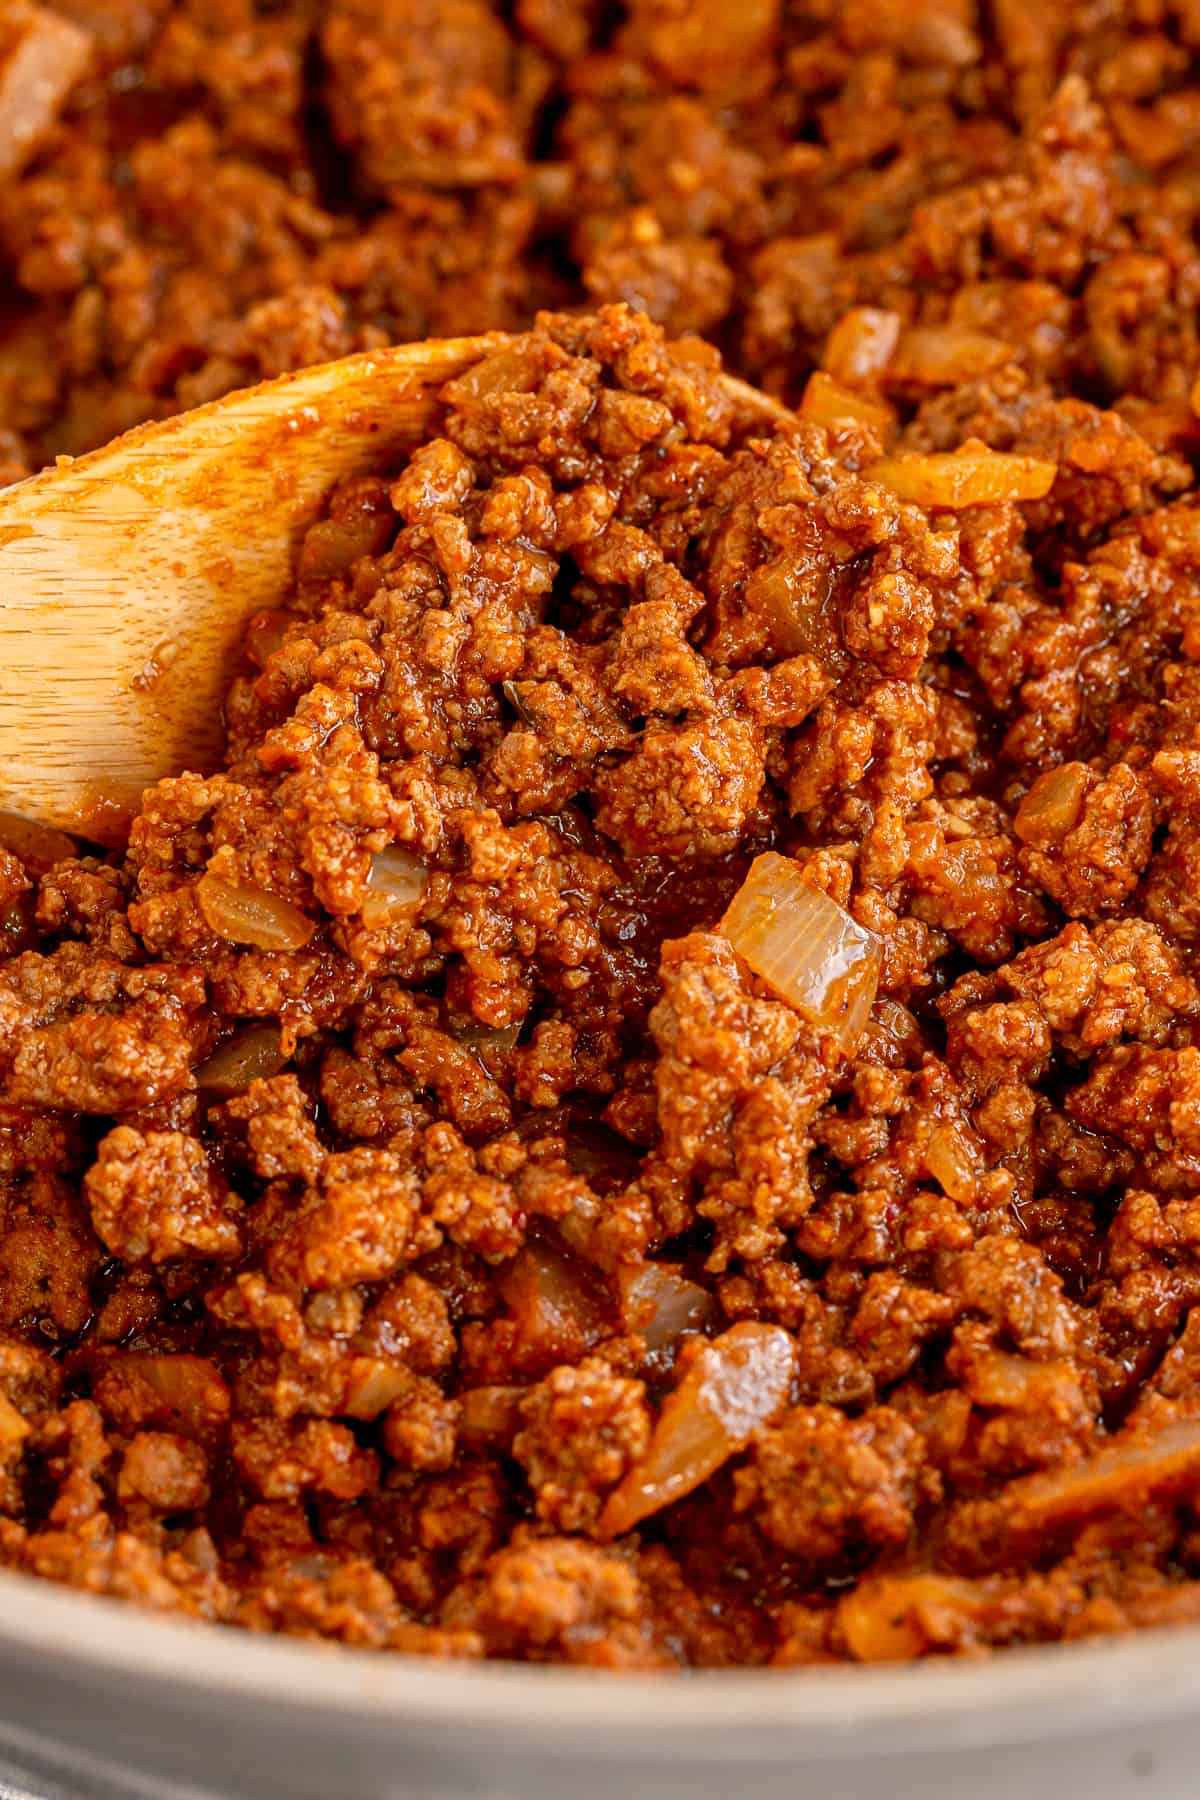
{"x": 127, "y": 576}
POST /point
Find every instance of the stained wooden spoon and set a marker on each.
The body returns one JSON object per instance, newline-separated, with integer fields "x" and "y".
{"x": 127, "y": 576}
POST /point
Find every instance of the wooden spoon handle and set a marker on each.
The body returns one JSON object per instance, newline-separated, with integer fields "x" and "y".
{"x": 126, "y": 577}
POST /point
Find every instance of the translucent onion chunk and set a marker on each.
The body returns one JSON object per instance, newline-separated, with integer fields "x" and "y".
{"x": 1124, "y": 1474}
{"x": 944, "y": 355}
{"x": 699, "y": 43}
{"x": 826, "y": 402}
{"x": 397, "y": 879}
{"x": 805, "y": 946}
{"x": 41, "y": 59}
{"x": 893, "y": 1618}
{"x": 953, "y": 1161}
{"x": 332, "y": 546}
{"x": 800, "y": 606}
{"x": 734, "y": 1386}
{"x": 371, "y": 1386}
{"x": 264, "y": 635}
{"x": 189, "y": 1392}
{"x": 559, "y": 1306}
{"x": 660, "y": 1304}
{"x": 967, "y": 477}
{"x": 1053, "y": 805}
{"x": 511, "y": 370}
{"x": 606, "y": 1159}
{"x": 254, "y": 1054}
{"x": 245, "y": 914}
{"x": 861, "y": 344}
{"x": 491, "y": 1415}
{"x": 1000, "y": 1378}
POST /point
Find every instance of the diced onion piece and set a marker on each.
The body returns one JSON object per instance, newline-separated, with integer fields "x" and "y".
{"x": 734, "y": 1385}
{"x": 13, "y": 1427}
{"x": 895, "y": 1032}
{"x": 893, "y": 1618}
{"x": 861, "y": 344}
{"x": 39, "y": 847}
{"x": 944, "y": 355}
{"x": 371, "y": 1386}
{"x": 512, "y": 693}
{"x": 314, "y": 1567}
{"x": 511, "y": 370}
{"x": 921, "y": 31}
{"x": 577, "y": 1227}
{"x": 560, "y": 1309}
{"x": 254, "y": 1054}
{"x": 397, "y": 877}
{"x": 799, "y": 605}
{"x": 1053, "y": 805}
{"x": 1033, "y": 1513}
{"x": 244, "y": 914}
{"x": 41, "y": 59}
{"x": 550, "y": 186}
{"x": 490, "y": 1416}
{"x": 952, "y": 1161}
{"x": 332, "y": 546}
{"x": 1165, "y": 425}
{"x": 826, "y": 402}
{"x": 659, "y": 1304}
{"x": 806, "y": 947}
{"x": 192, "y": 1396}
{"x": 494, "y": 1038}
{"x": 936, "y": 35}
{"x": 1000, "y": 1378}
{"x": 200, "y": 1551}
{"x": 1123, "y": 1474}
{"x": 966, "y": 477}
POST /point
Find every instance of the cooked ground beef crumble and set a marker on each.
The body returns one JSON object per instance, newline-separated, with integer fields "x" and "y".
{"x": 649, "y": 1115}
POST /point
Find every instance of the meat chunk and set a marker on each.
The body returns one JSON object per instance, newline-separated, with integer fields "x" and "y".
{"x": 284, "y": 1460}
{"x": 1090, "y": 867}
{"x": 425, "y": 93}
{"x": 168, "y": 1474}
{"x": 154, "y": 1198}
{"x": 820, "y": 1484}
{"x": 557, "y": 1599}
{"x": 581, "y": 1430}
{"x": 361, "y": 1223}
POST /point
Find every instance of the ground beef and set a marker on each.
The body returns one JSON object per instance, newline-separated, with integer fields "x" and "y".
{"x": 582, "y": 1429}
{"x": 543, "y": 1259}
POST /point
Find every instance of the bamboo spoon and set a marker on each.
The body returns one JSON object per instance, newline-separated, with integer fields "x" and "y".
{"x": 127, "y": 576}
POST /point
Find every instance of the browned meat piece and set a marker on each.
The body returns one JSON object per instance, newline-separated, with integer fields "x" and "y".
{"x": 555, "y": 1599}
{"x": 821, "y": 1484}
{"x": 581, "y": 1429}
{"x": 169, "y": 1474}
{"x": 153, "y": 1197}
{"x": 428, "y": 92}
